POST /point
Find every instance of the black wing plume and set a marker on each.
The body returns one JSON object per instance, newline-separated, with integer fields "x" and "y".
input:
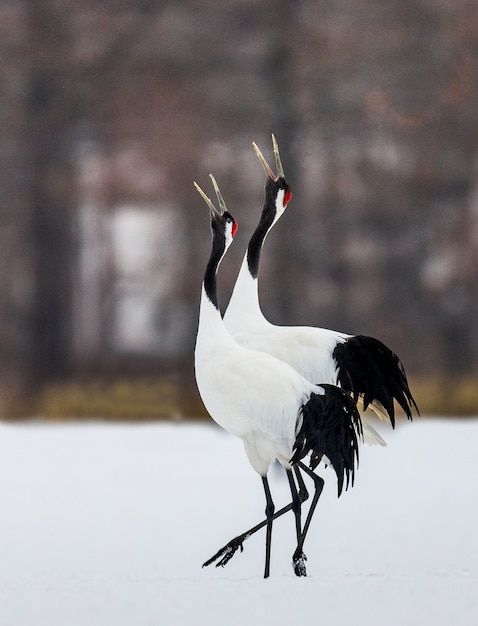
{"x": 330, "y": 427}
{"x": 367, "y": 368}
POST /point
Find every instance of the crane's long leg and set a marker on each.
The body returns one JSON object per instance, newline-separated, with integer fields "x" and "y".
{"x": 299, "y": 557}
{"x": 270, "y": 518}
{"x": 319, "y": 485}
{"x": 296, "y": 503}
{"x": 226, "y": 553}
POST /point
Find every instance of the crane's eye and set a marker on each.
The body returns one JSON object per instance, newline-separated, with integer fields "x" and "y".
{"x": 230, "y": 221}
{"x": 233, "y": 224}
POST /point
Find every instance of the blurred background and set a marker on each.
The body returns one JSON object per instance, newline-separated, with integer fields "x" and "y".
{"x": 110, "y": 109}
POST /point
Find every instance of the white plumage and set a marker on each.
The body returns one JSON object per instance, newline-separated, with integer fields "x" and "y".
{"x": 276, "y": 412}
{"x": 362, "y": 365}
{"x": 248, "y": 393}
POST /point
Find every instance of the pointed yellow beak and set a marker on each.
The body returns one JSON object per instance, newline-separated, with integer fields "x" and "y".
{"x": 212, "y": 209}
{"x": 266, "y": 166}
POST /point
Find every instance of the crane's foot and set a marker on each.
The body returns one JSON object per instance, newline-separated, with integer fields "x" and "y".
{"x": 228, "y": 551}
{"x": 298, "y": 562}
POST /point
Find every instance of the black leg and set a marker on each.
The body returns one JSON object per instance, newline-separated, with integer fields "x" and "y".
{"x": 226, "y": 553}
{"x": 296, "y": 503}
{"x": 303, "y": 493}
{"x": 299, "y": 558}
{"x": 319, "y": 485}
{"x": 269, "y": 517}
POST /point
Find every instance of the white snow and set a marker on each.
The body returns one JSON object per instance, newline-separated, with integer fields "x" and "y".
{"x": 109, "y": 524}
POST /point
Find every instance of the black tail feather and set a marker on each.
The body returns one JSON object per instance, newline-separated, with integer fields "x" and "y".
{"x": 330, "y": 427}
{"x": 367, "y": 368}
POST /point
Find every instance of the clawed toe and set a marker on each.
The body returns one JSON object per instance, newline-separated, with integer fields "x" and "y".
{"x": 227, "y": 552}
{"x": 298, "y": 562}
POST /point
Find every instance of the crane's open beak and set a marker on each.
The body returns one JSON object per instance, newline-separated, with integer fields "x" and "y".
{"x": 212, "y": 209}
{"x": 265, "y": 165}
{"x": 220, "y": 199}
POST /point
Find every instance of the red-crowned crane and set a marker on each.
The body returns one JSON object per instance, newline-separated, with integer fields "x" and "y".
{"x": 361, "y": 365}
{"x": 274, "y": 411}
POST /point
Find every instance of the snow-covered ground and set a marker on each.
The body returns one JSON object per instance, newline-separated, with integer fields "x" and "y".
{"x": 108, "y": 525}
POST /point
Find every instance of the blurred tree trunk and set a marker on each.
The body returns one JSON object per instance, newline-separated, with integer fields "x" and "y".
{"x": 51, "y": 125}
{"x": 16, "y": 246}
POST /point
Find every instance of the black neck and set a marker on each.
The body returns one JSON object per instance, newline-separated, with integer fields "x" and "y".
{"x": 267, "y": 219}
{"x": 256, "y": 242}
{"x": 265, "y": 223}
{"x": 210, "y": 280}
